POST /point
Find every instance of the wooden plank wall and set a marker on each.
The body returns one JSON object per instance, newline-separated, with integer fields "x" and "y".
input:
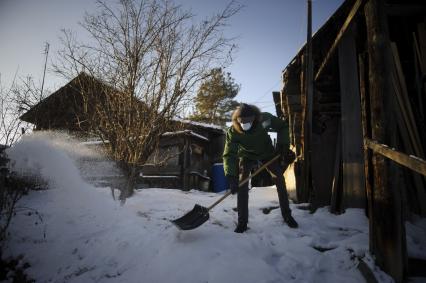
{"x": 352, "y": 145}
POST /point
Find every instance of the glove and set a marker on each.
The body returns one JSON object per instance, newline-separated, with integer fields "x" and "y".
{"x": 288, "y": 156}
{"x": 233, "y": 184}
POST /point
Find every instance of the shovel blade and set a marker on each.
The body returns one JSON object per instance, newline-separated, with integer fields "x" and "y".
{"x": 196, "y": 217}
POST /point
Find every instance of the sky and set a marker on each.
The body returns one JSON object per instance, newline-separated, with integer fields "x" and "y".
{"x": 269, "y": 34}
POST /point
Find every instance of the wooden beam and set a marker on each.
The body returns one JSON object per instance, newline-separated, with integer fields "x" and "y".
{"x": 388, "y": 228}
{"x": 405, "y": 9}
{"x": 412, "y": 162}
{"x": 342, "y": 31}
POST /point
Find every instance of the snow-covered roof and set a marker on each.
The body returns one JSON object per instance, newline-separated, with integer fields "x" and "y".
{"x": 199, "y": 124}
{"x": 186, "y": 132}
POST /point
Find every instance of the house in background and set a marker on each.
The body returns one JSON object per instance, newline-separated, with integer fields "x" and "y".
{"x": 184, "y": 159}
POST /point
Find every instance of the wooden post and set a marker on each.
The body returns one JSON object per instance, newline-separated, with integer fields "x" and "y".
{"x": 335, "y": 205}
{"x": 352, "y": 147}
{"x": 366, "y": 132}
{"x": 186, "y": 164}
{"x": 388, "y": 228}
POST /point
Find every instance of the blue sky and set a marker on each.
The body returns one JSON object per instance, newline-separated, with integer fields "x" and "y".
{"x": 269, "y": 32}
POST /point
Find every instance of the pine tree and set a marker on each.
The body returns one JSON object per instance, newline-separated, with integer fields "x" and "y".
{"x": 215, "y": 98}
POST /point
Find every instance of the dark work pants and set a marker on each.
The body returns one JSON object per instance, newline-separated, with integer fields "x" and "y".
{"x": 276, "y": 171}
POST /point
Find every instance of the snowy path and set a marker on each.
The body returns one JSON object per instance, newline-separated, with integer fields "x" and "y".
{"x": 89, "y": 237}
{"x": 136, "y": 243}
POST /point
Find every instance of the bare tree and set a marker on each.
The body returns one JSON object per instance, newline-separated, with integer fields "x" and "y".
{"x": 15, "y": 99}
{"x": 151, "y": 55}
{"x": 10, "y": 111}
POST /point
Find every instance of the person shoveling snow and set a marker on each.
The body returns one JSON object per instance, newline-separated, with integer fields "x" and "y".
{"x": 248, "y": 142}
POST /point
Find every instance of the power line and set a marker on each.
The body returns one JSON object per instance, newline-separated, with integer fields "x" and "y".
{"x": 267, "y": 92}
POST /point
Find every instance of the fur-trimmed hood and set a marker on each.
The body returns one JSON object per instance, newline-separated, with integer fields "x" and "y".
{"x": 246, "y": 108}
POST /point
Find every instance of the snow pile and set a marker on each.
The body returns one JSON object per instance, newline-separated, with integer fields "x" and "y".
{"x": 37, "y": 156}
{"x": 90, "y": 238}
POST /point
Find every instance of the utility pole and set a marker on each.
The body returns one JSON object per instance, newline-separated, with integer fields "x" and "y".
{"x": 46, "y": 52}
{"x": 309, "y": 91}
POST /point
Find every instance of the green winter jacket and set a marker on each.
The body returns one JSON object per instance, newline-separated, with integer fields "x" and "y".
{"x": 254, "y": 144}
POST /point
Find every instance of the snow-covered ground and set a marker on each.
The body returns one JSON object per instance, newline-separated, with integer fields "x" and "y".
{"x": 80, "y": 234}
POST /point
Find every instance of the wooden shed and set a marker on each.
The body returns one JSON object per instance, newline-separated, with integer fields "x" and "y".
{"x": 189, "y": 156}
{"x": 355, "y": 97}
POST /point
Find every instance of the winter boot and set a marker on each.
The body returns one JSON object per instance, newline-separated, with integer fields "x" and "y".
{"x": 290, "y": 220}
{"x": 241, "y": 228}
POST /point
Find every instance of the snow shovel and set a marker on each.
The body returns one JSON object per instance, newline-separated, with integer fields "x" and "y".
{"x": 200, "y": 214}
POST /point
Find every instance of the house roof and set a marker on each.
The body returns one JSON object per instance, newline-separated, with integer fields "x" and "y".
{"x": 70, "y": 106}
{"x": 64, "y": 107}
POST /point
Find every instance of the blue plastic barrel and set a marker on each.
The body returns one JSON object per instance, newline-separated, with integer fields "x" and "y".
{"x": 220, "y": 182}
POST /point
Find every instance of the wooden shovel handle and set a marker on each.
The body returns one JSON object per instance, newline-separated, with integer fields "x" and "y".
{"x": 244, "y": 181}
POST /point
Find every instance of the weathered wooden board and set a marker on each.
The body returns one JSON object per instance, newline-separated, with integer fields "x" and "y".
{"x": 352, "y": 145}
{"x": 412, "y": 162}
